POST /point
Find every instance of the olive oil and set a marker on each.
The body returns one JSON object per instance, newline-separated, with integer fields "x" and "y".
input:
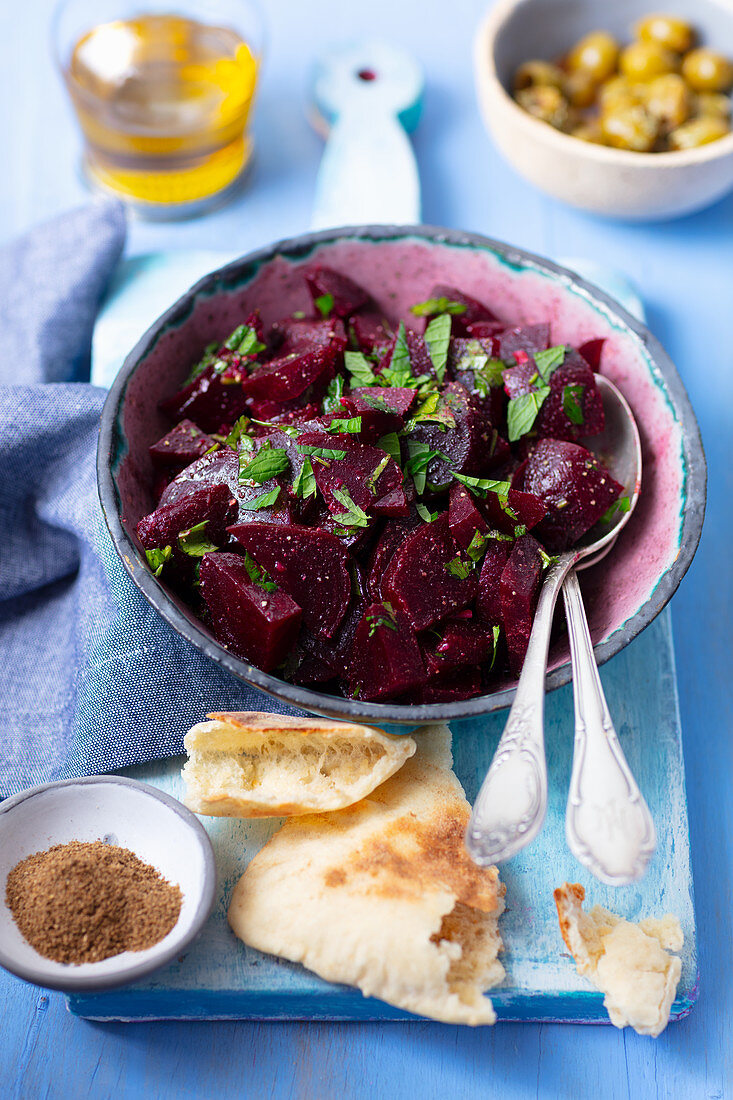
{"x": 163, "y": 102}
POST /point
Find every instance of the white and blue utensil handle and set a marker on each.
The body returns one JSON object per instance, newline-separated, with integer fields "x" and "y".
{"x": 365, "y": 99}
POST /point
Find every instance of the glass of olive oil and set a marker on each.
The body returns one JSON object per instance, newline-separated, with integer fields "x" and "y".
{"x": 163, "y": 97}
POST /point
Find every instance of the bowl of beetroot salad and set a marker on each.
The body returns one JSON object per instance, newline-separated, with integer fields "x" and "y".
{"x": 341, "y": 466}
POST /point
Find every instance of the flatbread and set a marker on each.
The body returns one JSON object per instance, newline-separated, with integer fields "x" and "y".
{"x": 384, "y": 896}
{"x": 250, "y": 764}
{"x": 626, "y": 961}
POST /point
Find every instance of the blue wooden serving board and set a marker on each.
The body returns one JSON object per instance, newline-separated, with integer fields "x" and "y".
{"x": 221, "y": 978}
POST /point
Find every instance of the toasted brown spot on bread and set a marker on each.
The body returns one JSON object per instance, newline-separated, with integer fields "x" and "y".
{"x": 410, "y": 853}
{"x": 563, "y": 896}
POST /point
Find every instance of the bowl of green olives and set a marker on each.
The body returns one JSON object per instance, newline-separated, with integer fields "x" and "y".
{"x": 612, "y": 108}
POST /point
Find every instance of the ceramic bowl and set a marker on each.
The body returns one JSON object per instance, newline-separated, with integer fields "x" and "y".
{"x": 608, "y": 181}
{"x": 398, "y": 266}
{"x": 159, "y": 830}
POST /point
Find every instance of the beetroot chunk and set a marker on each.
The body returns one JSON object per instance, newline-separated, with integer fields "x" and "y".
{"x": 213, "y": 401}
{"x": 474, "y": 311}
{"x": 519, "y": 588}
{"x": 452, "y": 687}
{"x": 248, "y": 618}
{"x": 367, "y": 474}
{"x": 488, "y": 601}
{"x": 394, "y": 534}
{"x": 519, "y": 510}
{"x": 591, "y": 351}
{"x": 385, "y": 658}
{"x": 181, "y": 446}
{"x": 309, "y": 564}
{"x": 420, "y": 361}
{"x": 526, "y": 338}
{"x": 573, "y": 408}
{"x": 463, "y": 642}
{"x": 574, "y": 486}
{"x": 348, "y": 296}
{"x": 468, "y": 441}
{"x": 222, "y": 468}
{"x": 464, "y": 517}
{"x": 290, "y": 375}
{"x": 213, "y": 504}
{"x": 427, "y": 578}
{"x": 398, "y": 400}
{"x": 371, "y": 332}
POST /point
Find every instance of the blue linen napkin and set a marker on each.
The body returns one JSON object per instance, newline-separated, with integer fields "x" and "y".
{"x": 91, "y": 678}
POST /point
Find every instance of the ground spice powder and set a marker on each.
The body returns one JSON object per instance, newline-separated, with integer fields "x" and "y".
{"x": 82, "y": 902}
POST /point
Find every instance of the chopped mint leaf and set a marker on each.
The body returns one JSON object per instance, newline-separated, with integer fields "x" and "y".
{"x": 325, "y": 454}
{"x": 267, "y": 463}
{"x": 425, "y": 513}
{"x": 548, "y": 361}
{"x": 214, "y": 447}
{"x": 359, "y": 368}
{"x": 334, "y": 393}
{"x": 257, "y": 575}
{"x": 487, "y": 373}
{"x": 244, "y": 341}
{"x": 371, "y": 481}
{"x": 324, "y": 304}
{"x": 304, "y": 485}
{"x": 298, "y": 314}
{"x": 437, "y": 338}
{"x": 203, "y": 363}
{"x": 264, "y": 501}
{"x": 571, "y": 398}
{"x": 480, "y": 486}
{"x": 477, "y": 546}
{"x": 157, "y": 557}
{"x": 431, "y": 306}
{"x": 374, "y": 402}
{"x": 458, "y": 568}
{"x": 547, "y": 559}
{"x": 417, "y": 464}
{"x": 522, "y": 412}
{"x": 382, "y": 619}
{"x": 238, "y": 434}
{"x": 434, "y": 409}
{"x": 400, "y": 372}
{"x": 519, "y": 531}
{"x": 623, "y": 504}
{"x": 496, "y": 632}
{"x": 289, "y": 429}
{"x": 391, "y": 444}
{"x": 351, "y": 425}
{"x": 193, "y": 542}
{"x": 354, "y": 516}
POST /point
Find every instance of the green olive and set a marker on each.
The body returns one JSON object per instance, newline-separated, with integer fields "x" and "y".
{"x": 643, "y": 61}
{"x": 595, "y": 54}
{"x": 707, "y": 71}
{"x": 699, "y": 131}
{"x": 580, "y": 89}
{"x": 532, "y": 73}
{"x": 546, "y": 103}
{"x": 668, "y": 99}
{"x": 617, "y": 91}
{"x": 630, "y": 128}
{"x": 713, "y": 103}
{"x": 668, "y": 30}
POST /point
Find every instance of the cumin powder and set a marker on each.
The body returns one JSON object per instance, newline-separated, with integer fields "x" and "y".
{"x": 83, "y": 902}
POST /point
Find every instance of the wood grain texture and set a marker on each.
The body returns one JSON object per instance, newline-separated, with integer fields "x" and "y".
{"x": 684, "y": 270}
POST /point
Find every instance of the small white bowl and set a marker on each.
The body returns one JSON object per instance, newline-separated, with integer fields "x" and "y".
{"x": 615, "y": 182}
{"x": 159, "y": 830}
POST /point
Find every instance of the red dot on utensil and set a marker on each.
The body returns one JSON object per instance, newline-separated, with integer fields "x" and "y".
{"x": 367, "y": 74}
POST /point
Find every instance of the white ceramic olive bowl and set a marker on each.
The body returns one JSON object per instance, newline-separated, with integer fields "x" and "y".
{"x": 614, "y": 182}
{"x": 159, "y": 830}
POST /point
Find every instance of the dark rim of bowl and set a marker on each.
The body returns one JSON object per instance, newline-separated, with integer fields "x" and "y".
{"x": 239, "y": 272}
{"x": 134, "y": 971}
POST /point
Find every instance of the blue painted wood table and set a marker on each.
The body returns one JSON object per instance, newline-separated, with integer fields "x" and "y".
{"x": 685, "y": 272}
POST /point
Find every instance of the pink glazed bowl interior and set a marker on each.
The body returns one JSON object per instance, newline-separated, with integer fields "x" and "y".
{"x": 398, "y": 266}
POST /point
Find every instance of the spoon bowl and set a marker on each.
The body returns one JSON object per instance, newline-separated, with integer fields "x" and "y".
{"x": 511, "y": 805}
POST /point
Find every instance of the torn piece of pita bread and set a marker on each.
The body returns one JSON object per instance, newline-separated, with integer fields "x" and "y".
{"x": 250, "y": 764}
{"x": 627, "y": 962}
{"x": 383, "y": 895}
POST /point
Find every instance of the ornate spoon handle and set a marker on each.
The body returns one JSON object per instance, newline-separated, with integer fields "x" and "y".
{"x": 512, "y": 802}
{"x": 608, "y": 825}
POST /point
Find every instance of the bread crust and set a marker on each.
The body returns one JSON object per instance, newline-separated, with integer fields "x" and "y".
{"x": 255, "y": 764}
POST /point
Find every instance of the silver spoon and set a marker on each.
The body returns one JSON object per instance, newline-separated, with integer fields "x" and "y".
{"x": 512, "y": 802}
